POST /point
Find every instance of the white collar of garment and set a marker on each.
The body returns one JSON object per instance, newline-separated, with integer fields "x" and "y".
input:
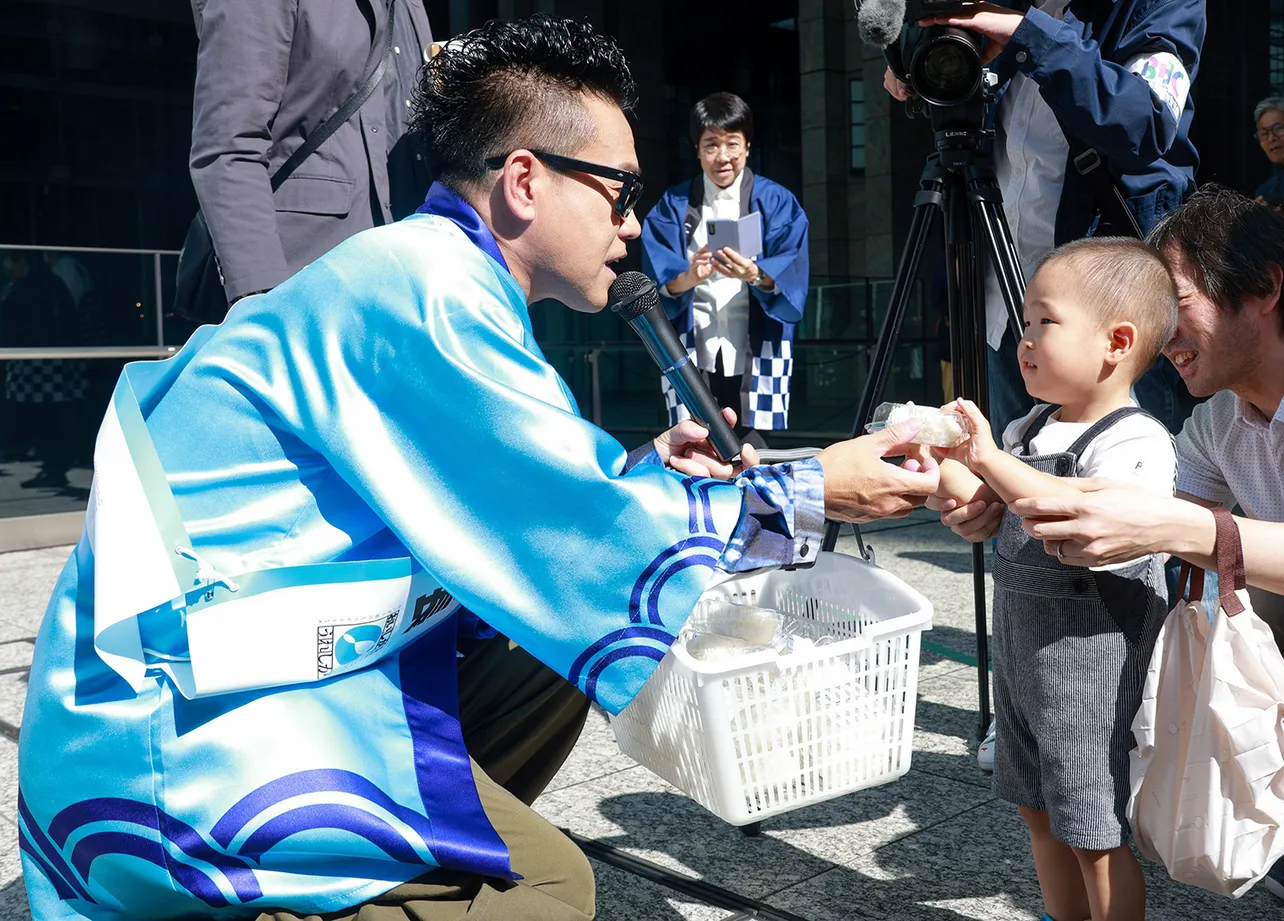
{"x": 731, "y": 193}
{"x": 1250, "y": 416}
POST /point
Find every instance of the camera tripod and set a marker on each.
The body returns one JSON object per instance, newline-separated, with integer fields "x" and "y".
{"x": 958, "y": 182}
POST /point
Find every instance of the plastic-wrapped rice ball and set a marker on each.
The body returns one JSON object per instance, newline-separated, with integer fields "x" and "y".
{"x": 937, "y": 427}
{"x": 743, "y": 621}
{"x": 713, "y": 647}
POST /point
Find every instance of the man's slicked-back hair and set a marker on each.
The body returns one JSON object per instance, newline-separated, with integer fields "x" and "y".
{"x": 511, "y": 85}
{"x": 1229, "y": 241}
{"x": 1123, "y": 279}
{"x": 724, "y": 111}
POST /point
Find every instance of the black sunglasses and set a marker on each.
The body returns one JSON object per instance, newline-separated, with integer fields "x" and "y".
{"x": 631, "y": 183}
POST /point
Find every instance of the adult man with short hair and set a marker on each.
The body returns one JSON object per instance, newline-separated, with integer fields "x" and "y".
{"x": 246, "y": 692}
{"x": 735, "y": 314}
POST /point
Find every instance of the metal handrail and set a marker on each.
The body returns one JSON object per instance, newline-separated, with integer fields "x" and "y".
{"x": 91, "y": 351}
{"x": 156, "y": 255}
{"x": 91, "y": 249}
{"x": 593, "y": 349}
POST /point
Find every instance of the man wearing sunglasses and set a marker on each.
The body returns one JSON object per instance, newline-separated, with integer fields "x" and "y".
{"x": 735, "y": 312}
{"x": 270, "y": 683}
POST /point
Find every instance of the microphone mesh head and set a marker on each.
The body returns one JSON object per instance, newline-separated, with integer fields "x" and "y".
{"x": 631, "y": 294}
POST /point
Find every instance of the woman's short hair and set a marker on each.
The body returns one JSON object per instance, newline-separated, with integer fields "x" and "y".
{"x": 723, "y": 111}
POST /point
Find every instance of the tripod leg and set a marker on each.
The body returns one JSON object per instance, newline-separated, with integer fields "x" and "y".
{"x": 991, "y": 224}
{"x": 987, "y": 204}
{"x": 981, "y": 395}
{"x": 926, "y": 204}
{"x": 967, "y": 315}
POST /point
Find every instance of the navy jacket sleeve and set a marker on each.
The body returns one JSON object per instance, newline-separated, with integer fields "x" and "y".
{"x": 784, "y": 257}
{"x": 1097, "y": 98}
{"x": 664, "y": 253}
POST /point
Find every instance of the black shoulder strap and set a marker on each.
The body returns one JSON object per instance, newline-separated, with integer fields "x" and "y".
{"x": 695, "y": 194}
{"x": 344, "y": 112}
{"x": 695, "y": 200}
{"x": 1105, "y": 422}
{"x": 1035, "y": 427}
{"x": 1089, "y": 164}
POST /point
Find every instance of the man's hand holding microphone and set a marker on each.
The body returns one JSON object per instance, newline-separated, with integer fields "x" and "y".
{"x": 859, "y": 484}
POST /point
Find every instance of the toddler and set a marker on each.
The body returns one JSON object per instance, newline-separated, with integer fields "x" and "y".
{"x": 1072, "y": 645}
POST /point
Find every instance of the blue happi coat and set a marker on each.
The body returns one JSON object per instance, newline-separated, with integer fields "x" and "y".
{"x": 243, "y": 693}
{"x": 773, "y": 317}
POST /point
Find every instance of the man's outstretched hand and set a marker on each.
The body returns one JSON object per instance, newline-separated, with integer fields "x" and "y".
{"x": 861, "y": 486}
{"x": 686, "y": 448}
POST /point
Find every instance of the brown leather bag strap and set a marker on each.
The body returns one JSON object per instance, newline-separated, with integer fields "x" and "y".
{"x": 1230, "y": 561}
{"x": 1194, "y": 576}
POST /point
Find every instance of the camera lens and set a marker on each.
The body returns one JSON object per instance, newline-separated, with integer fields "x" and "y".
{"x": 946, "y": 66}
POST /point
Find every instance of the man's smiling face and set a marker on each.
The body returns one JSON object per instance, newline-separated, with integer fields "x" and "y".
{"x": 1215, "y": 347}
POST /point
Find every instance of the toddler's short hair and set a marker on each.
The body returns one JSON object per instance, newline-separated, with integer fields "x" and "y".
{"x": 1122, "y": 278}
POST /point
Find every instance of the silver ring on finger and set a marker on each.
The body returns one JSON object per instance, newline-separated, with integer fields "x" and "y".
{"x": 1061, "y": 547}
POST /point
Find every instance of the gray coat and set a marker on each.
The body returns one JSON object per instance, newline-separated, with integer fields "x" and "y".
{"x": 268, "y": 73}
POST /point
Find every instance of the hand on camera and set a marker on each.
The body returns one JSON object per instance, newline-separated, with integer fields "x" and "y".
{"x": 995, "y": 22}
{"x": 860, "y": 486}
{"x": 686, "y": 449}
{"x": 893, "y": 85}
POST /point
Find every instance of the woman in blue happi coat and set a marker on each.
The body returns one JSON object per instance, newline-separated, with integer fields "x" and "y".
{"x": 736, "y": 314}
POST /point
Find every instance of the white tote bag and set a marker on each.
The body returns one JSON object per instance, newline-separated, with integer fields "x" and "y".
{"x": 1208, "y": 771}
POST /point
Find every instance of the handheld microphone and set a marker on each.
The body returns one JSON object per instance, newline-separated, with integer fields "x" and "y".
{"x": 880, "y": 21}
{"x": 635, "y": 300}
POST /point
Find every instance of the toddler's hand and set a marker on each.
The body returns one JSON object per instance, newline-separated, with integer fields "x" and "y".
{"x": 980, "y": 445}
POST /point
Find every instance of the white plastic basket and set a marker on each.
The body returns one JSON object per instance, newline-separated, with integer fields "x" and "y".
{"x": 769, "y": 733}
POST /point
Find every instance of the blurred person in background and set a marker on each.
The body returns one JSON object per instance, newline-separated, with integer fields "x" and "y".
{"x": 268, "y": 73}
{"x": 1268, "y": 121}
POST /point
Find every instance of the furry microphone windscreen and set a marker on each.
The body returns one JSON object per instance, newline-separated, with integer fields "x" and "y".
{"x": 880, "y": 21}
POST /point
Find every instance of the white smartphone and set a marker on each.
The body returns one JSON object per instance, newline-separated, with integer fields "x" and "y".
{"x": 744, "y": 235}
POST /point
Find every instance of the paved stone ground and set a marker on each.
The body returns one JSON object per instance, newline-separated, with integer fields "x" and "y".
{"x": 933, "y": 846}
{"x": 16, "y": 500}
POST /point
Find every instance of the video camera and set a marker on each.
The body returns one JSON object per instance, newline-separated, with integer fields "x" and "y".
{"x": 941, "y": 64}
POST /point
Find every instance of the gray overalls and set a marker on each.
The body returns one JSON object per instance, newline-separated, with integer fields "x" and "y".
{"x": 1071, "y": 650}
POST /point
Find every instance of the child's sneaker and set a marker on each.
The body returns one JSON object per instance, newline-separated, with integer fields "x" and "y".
{"x": 985, "y": 754}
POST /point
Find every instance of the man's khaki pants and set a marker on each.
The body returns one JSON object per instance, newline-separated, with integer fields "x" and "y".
{"x": 520, "y": 721}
